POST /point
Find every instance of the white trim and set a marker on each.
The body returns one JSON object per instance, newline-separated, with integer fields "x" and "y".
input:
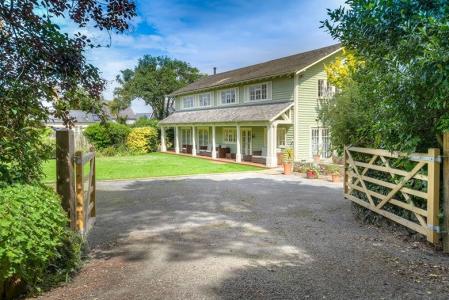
{"x": 282, "y": 111}
{"x": 236, "y": 92}
{"x": 320, "y": 140}
{"x": 269, "y": 92}
{"x": 320, "y": 60}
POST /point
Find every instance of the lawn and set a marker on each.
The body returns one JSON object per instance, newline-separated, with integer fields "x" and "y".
{"x": 152, "y": 165}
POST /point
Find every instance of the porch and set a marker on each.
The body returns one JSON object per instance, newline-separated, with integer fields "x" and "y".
{"x": 252, "y": 133}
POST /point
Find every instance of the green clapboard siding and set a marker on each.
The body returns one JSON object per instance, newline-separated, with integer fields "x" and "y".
{"x": 307, "y": 108}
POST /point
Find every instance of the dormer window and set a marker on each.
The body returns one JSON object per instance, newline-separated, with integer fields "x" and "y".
{"x": 188, "y": 102}
{"x": 259, "y": 92}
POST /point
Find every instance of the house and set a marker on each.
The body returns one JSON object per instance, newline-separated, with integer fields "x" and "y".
{"x": 252, "y": 113}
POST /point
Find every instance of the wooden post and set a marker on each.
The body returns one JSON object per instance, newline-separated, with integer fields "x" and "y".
{"x": 193, "y": 141}
{"x": 177, "y": 139}
{"x": 446, "y": 192}
{"x": 345, "y": 170}
{"x": 433, "y": 194}
{"x": 65, "y": 181}
{"x": 214, "y": 146}
{"x": 79, "y": 191}
{"x": 238, "y": 151}
{"x": 93, "y": 199}
{"x": 163, "y": 145}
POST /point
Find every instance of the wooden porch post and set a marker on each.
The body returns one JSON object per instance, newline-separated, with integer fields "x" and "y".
{"x": 176, "y": 139}
{"x": 238, "y": 151}
{"x": 271, "y": 146}
{"x": 193, "y": 141}
{"x": 214, "y": 150}
{"x": 163, "y": 145}
{"x": 65, "y": 181}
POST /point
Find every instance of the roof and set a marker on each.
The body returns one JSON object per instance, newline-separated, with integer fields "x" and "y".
{"x": 78, "y": 116}
{"x": 280, "y": 66}
{"x": 259, "y": 112}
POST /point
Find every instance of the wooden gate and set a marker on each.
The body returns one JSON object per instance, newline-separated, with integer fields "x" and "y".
{"x": 85, "y": 195}
{"x": 76, "y": 190}
{"x": 395, "y": 185}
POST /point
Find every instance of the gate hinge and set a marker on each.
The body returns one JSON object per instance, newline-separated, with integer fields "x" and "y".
{"x": 435, "y": 228}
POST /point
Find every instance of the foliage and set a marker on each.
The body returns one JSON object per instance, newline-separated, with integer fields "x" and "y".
{"x": 340, "y": 71}
{"x": 107, "y": 135}
{"x": 153, "y": 79}
{"x": 116, "y": 106}
{"x": 405, "y": 72}
{"x": 287, "y": 155}
{"x": 33, "y": 235}
{"x": 143, "y": 140}
{"x": 38, "y": 63}
{"x": 146, "y": 122}
{"x": 20, "y": 152}
{"x": 49, "y": 142}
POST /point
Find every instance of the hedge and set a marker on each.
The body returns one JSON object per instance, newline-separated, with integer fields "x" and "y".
{"x": 107, "y": 135}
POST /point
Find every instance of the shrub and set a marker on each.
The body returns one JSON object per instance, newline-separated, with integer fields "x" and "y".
{"x": 49, "y": 143}
{"x": 142, "y": 140}
{"x": 34, "y": 240}
{"x": 121, "y": 150}
{"x": 107, "y": 135}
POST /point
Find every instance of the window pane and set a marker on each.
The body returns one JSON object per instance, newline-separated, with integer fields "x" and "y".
{"x": 326, "y": 143}
{"x": 315, "y": 141}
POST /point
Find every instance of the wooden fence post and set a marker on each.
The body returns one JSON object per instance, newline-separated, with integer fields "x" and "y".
{"x": 79, "y": 191}
{"x": 433, "y": 201}
{"x": 65, "y": 148}
{"x": 345, "y": 170}
{"x": 445, "y": 192}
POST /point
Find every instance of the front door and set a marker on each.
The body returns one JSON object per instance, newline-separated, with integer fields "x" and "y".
{"x": 246, "y": 142}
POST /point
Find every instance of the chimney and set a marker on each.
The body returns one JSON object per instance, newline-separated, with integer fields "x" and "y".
{"x": 215, "y": 70}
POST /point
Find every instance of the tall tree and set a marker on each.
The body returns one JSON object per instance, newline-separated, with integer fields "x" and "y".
{"x": 38, "y": 64}
{"x": 405, "y": 49}
{"x": 153, "y": 79}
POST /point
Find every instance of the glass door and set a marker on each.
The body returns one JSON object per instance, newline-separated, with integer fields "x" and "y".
{"x": 246, "y": 141}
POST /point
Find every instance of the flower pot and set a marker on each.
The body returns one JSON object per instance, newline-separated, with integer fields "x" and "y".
{"x": 317, "y": 158}
{"x": 311, "y": 175}
{"x": 288, "y": 168}
{"x": 335, "y": 177}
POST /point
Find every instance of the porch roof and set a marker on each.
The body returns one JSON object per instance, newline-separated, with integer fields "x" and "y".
{"x": 248, "y": 113}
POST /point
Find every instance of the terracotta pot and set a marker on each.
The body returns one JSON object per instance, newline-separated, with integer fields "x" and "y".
{"x": 335, "y": 177}
{"x": 311, "y": 175}
{"x": 316, "y": 159}
{"x": 288, "y": 168}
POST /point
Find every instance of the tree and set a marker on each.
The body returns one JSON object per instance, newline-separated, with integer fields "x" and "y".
{"x": 153, "y": 79}
{"x": 116, "y": 106}
{"x": 39, "y": 63}
{"x": 405, "y": 73}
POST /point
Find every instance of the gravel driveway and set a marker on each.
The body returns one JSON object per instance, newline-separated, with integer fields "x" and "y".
{"x": 246, "y": 236}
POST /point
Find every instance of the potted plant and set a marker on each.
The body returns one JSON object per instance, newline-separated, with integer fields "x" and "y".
{"x": 336, "y": 176}
{"x": 287, "y": 160}
{"x": 312, "y": 172}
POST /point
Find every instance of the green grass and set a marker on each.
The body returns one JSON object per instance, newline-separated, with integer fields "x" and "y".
{"x": 152, "y": 165}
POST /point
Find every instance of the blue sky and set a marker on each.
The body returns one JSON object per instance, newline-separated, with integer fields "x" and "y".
{"x": 207, "y": 34}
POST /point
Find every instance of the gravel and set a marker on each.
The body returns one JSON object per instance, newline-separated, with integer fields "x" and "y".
{"x": 246, "y": 236}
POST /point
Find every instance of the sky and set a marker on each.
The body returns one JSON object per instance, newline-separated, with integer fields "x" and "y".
{"x": 223, "y": 34}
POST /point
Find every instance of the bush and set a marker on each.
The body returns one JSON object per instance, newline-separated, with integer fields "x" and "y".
{"x": 143, "y": 140}
{"x": 36, "y": 248}
{"x": 49, "y": 143}
{"x": 121, "y": 150}
{"x": 107, "y": 135}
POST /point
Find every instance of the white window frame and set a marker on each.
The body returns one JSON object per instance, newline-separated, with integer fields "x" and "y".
{"x": 268, "y": 91}
{"x": 186, "y": 98}
{"x": 210, "y": 99}
{"x": 321, "y": 138}
{"x": 281, "y": 137}
{"x": 236, "y": 98}
{"x": 325, "y": 89}
{"x": 229, "y": 132}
